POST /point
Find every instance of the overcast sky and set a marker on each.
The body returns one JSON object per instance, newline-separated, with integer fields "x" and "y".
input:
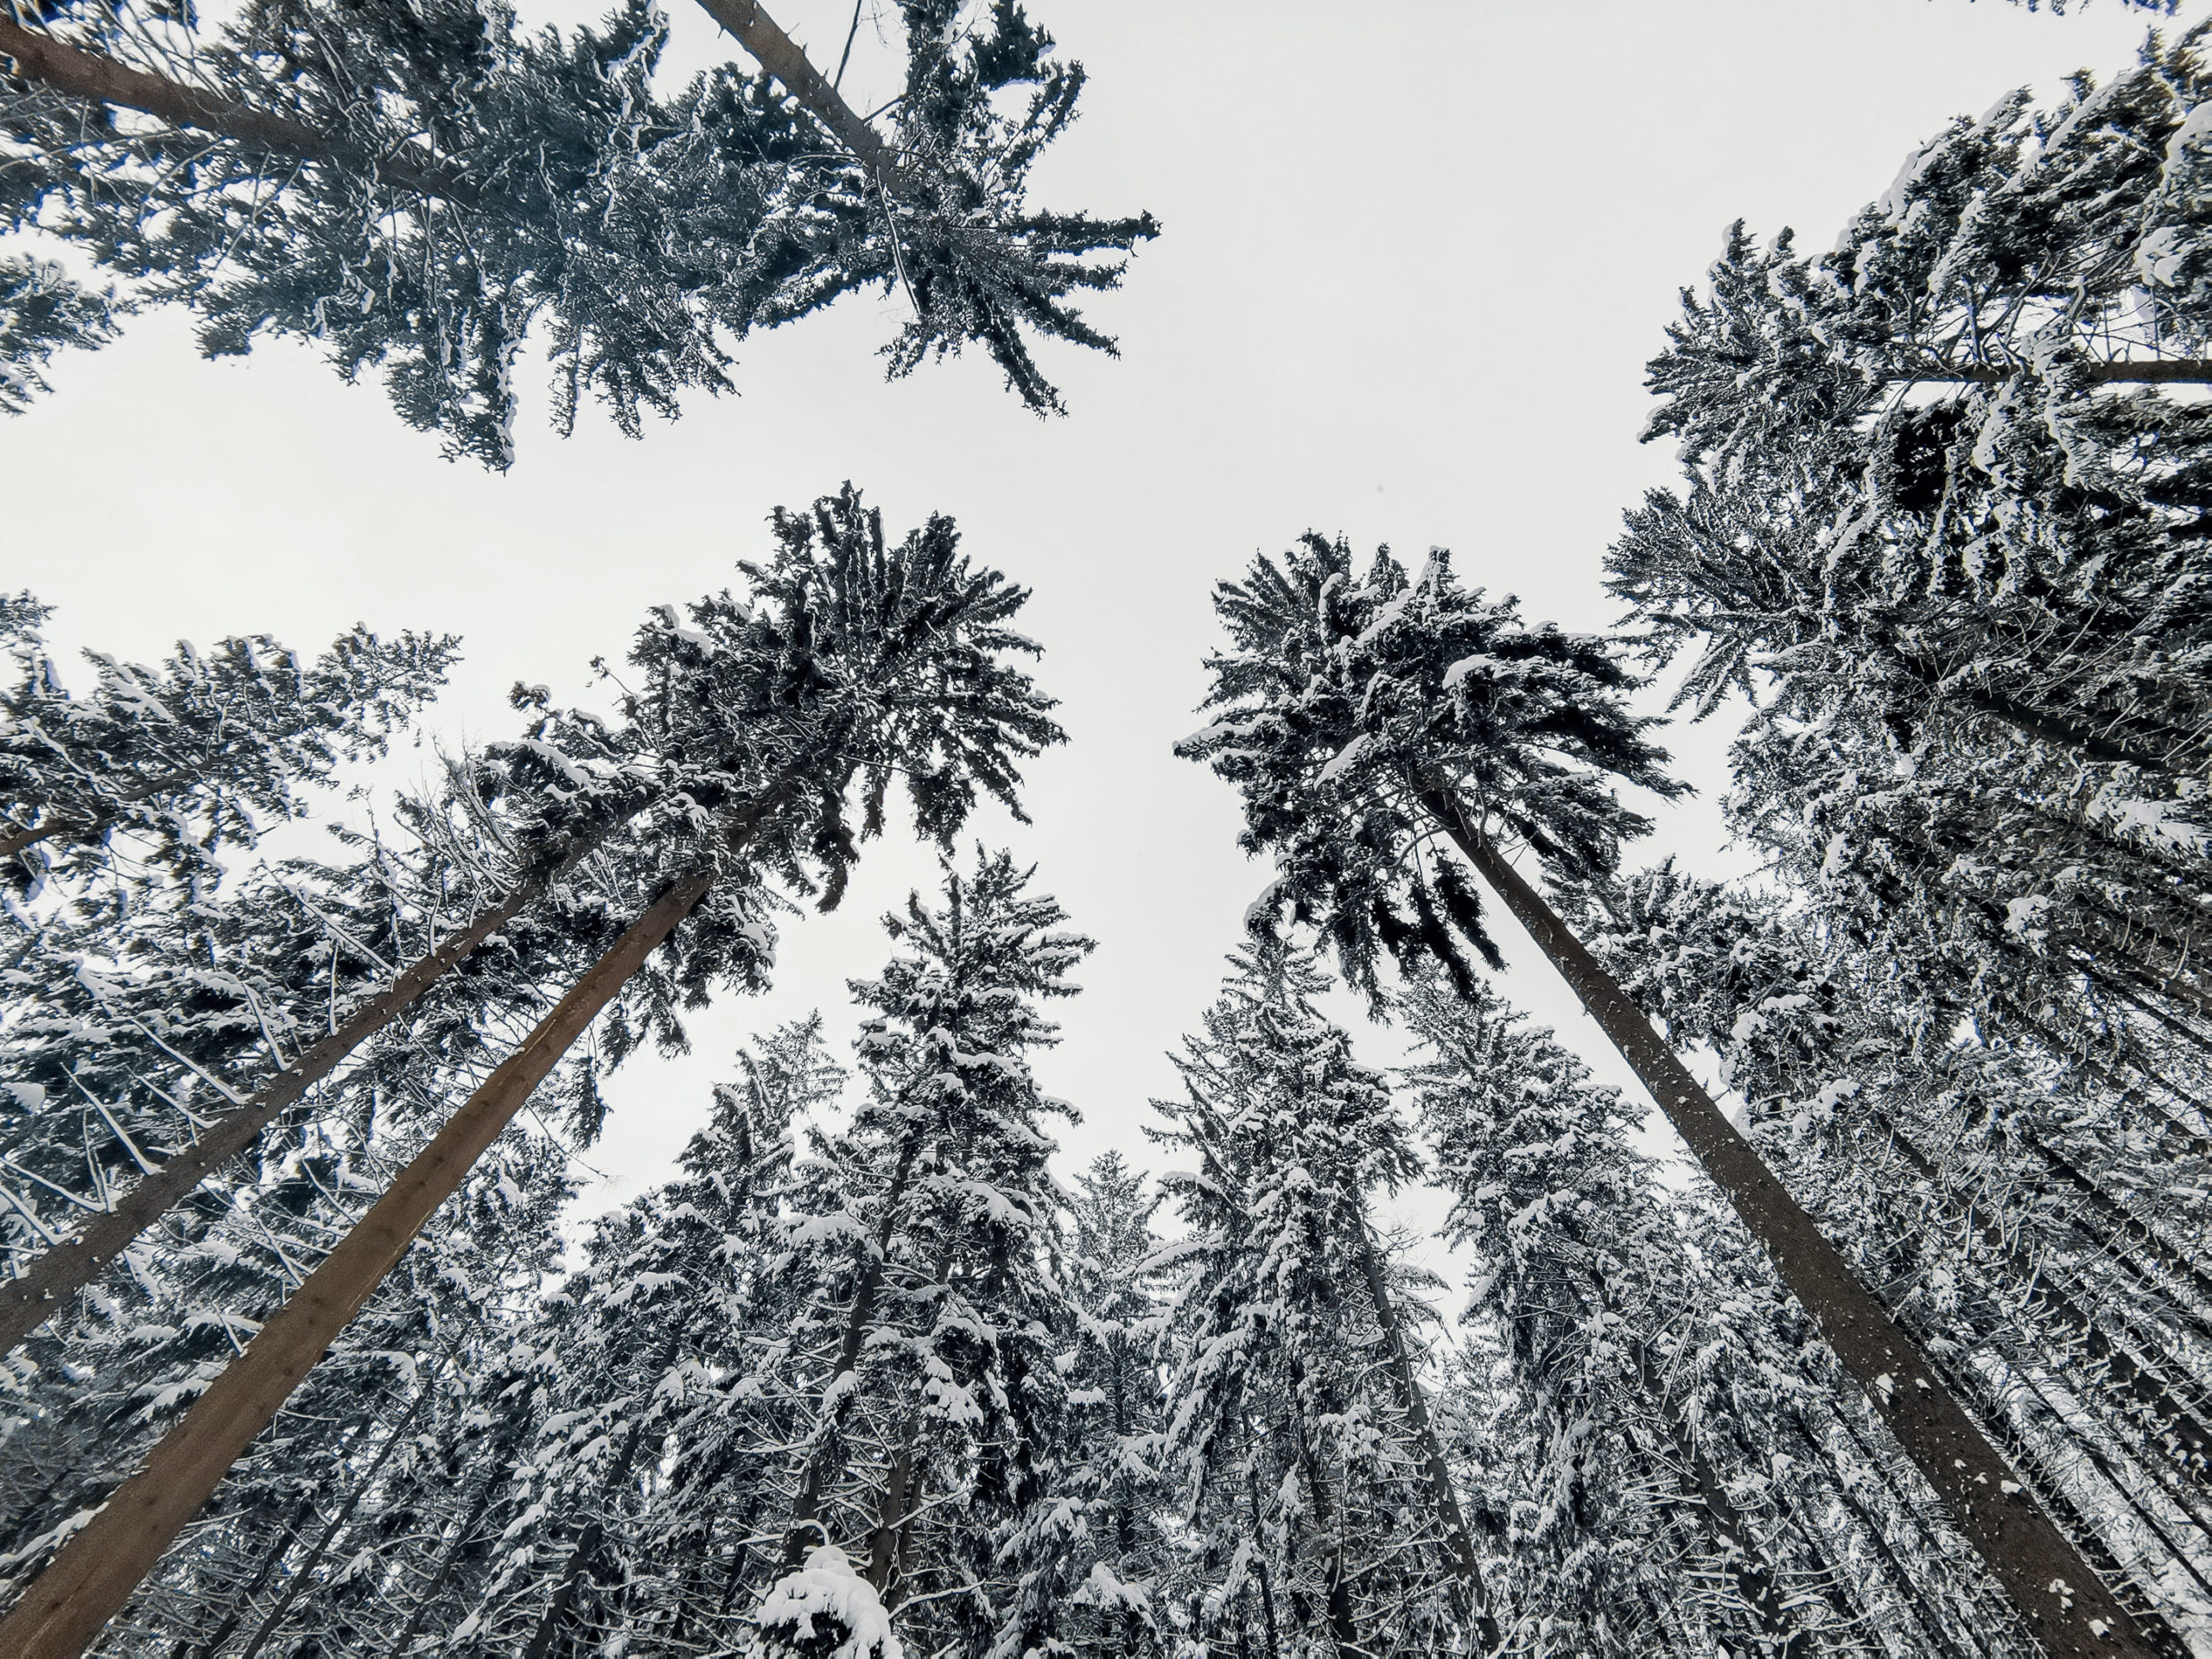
{"x": 1414, "y": 259}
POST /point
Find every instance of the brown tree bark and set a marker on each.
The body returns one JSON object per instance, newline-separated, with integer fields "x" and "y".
{"x": 758, "y": 35}
{"x": 71, "y": 70}
{"x": 96, "y": 1571}
{"x": 26, "y": 1302}
{"x": 2069, "y": 1609}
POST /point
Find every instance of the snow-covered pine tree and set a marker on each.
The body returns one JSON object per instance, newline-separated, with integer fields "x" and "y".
{"x": 645, "y": 1482}
{"x": 1311, "y": 1486}
{"x": 272, "y": 172}
{"x": 2014, "y": 1215}
{"x": 185, "y": 760}
{"x": 1380, "y": 732}
{"x": 1957, "y": 555}
{"x": 1115, "y": 1414}
{"x": 864, "y": 661}
{"x": 1647, "y": 1394}
{"x": 932, "y": 1358}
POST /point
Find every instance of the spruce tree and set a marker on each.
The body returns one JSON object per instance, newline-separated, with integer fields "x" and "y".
{"x": 1941, "y": 525}
{"x": 1307, "y": 1468}
{"x": 929, "y": 1360}
{"x": 2026, "y": 1235}
{"x": 418, "y": 189}
{"x": 1116, "y": 1416}
{"x": 1380, "y": 732}
{"x": 863, "y": 661}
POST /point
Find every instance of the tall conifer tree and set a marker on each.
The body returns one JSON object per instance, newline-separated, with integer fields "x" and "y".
{"x": 1383, "y": 731}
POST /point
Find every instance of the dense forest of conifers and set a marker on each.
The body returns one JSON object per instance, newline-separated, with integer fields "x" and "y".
{"x": 1914, "y": 1356}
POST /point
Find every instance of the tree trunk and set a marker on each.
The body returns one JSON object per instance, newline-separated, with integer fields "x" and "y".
{"x": 891, "y": 1512}
{"x": 26, "y": 1302}
{"x": 337, "y": 1523}
{"x": 87, "y": 829}
{"x": 807, "y": 1506}
{"x": 98, "y": 79}
{"x": 96, "y": 1571}
{"x": 1411, "y": 1401}
{"x": 2067, "y": 1606}
{"x": 758, "y": 34}
{"x": 587, "y": 1545}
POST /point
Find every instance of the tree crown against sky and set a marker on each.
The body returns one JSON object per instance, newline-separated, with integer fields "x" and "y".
{"x": 420, "y": 189}
{"x": 1351, "y": 708}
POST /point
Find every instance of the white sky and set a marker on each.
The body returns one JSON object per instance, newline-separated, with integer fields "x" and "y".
{"x": 1414, "y": 258}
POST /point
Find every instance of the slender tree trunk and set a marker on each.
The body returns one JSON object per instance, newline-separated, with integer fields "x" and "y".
{"x": 902, "y": 1487}
{"x": 1441, "y": 1492}
{"x": 2116, "y": 1216}
{"x": 758, "y": 34}
{"x": 891, "y": 1512}
{"x": 2049, "y": 729}
{"x": 2065, "y": 1604}
{"x": 587, "y": 1542}
{"x": 85, "y": 829}
{"x": 806, "y": 1508}
{"x": 1754, "y": 1575}
{"x": 98, "y": 80}
{"x": 338, "y": 1523}
{"x": 28, "y": 1301}
{"x": 96, "y": 1571}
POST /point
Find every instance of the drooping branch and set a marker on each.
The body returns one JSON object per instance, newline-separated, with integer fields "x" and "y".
{"x": 71, "y": 70}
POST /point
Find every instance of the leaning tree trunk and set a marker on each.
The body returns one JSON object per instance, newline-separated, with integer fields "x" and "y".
{"x": 58, "y": 826}
{"x": 2068, "y": 1608}
{"x": 93, "y": 1575}
{"x": 303, "y": 1575}
{"x": 1415, "y": 1406}
{"x": 780, "y": 56}
{"x": 97, "y": 79}
{"x": 27, "y": 1301}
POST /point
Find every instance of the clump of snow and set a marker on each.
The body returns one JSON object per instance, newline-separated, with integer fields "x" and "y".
{"x": 825, "y": 1611}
